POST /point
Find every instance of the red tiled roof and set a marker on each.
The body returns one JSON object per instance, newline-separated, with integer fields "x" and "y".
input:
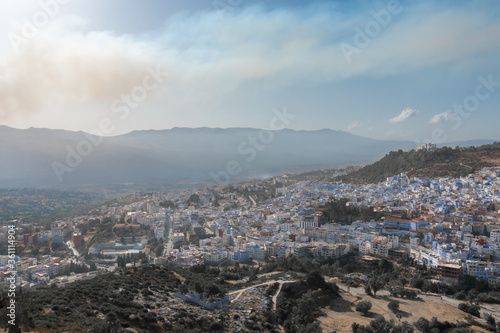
{"x": 392, "y": 219}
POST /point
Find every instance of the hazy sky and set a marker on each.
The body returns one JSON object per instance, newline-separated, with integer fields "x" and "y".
{"x": 414, "y": 70}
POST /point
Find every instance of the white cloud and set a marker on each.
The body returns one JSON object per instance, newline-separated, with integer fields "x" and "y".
{"x": 441, "y": 117}
{"x": 209, "y": 58}
{"x": 405, "y": 114}
{"x": 353, "y": 125}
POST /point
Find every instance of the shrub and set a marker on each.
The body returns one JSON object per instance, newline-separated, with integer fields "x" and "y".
{"x": 422, "y": 324}
{"x": 470, "y": 308}
{"x": 490, "y": 319}
{"x": 460, "y": 330}
{"x": 364, "y": 307}
{"x": 380, "y": 325}
{"x": 393, "y": 306}
{"x": 215, "y": 327}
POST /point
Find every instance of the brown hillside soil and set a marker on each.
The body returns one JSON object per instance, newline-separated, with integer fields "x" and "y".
{"x": 340, "y": 316}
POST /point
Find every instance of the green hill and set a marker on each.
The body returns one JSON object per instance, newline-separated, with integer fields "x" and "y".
{"x": 444, "y": 162}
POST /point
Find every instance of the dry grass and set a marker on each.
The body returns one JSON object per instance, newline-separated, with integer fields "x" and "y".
{"x": 340, "y": 316}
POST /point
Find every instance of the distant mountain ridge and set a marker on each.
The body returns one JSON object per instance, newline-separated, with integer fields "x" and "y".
{"x": 64, "y": 159}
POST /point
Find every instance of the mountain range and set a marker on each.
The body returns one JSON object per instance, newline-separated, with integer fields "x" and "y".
{"x": 38, "y": 157}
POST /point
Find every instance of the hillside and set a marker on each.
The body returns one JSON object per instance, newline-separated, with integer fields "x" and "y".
{"x": 340, "y": 317}
{"x": 145, "y": 299}
{"x": 444, "y": 162}
{"x": 135, "y": 300}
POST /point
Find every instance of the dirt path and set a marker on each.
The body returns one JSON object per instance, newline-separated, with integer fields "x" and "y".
{"x": 240, "y": 292}
{"x": 275, "y": 297}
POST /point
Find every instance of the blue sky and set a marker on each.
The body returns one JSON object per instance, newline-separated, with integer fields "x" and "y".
{"x": 383, "y": 69}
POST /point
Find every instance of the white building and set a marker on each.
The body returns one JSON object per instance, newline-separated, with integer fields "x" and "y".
{"x": 495, "y": 235}
{"x": 278, "y": 218}
{"x": 160, "y": 233}
{"x": 216, "y": 256}
{"x": 178, "y": 237}
{"x": 308, "y": 221}
{"x": 427, "y": 146}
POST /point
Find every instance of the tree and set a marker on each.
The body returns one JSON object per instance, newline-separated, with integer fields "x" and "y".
{"x": 315, "y": 280}
{"x": 460, "y": 330}
{"x": 386, "y": 265}
{"x": 422, "y": 324}
{"x": 215, "y": 201}
{"x": 183, "y": 289}
{"x": 112, "y": 323}
{"x": 357, "y": 328}
{"x": 364, "y": 307}
{"x": 490, "y": 320}
{"x": 393, "y": 306}
{"x": 215, "y": 327}
{"x": 194, "y": 198}
{"x": 311, "y": 328}
{"x": 306, "y": 310}
{"x": 168, "y": 204}
{"x": 376, "y": 285}
{"x": 380, "y": 325}
{"x": 475, "y": 310}
{"x": 35, "y": 251}
{"x": 198, "y": 287}
{"x": 418, "y": 282}
{"x": 159, "y": 250}
{"x": 368, "y": 290}
{"x": 485, "y": 231}
{"x": 470, "y": 308}
{"x": 212, "y": 290}
{"x": 120, "y": 261}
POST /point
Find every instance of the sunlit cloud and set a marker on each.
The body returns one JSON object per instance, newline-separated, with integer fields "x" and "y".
{"x": 442, "y": 117}
{"x": 405, "y": 114}
{"x": 209, "y": 58}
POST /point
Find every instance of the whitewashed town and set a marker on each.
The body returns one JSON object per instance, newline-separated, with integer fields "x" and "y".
{"x": 452, "y": 225}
